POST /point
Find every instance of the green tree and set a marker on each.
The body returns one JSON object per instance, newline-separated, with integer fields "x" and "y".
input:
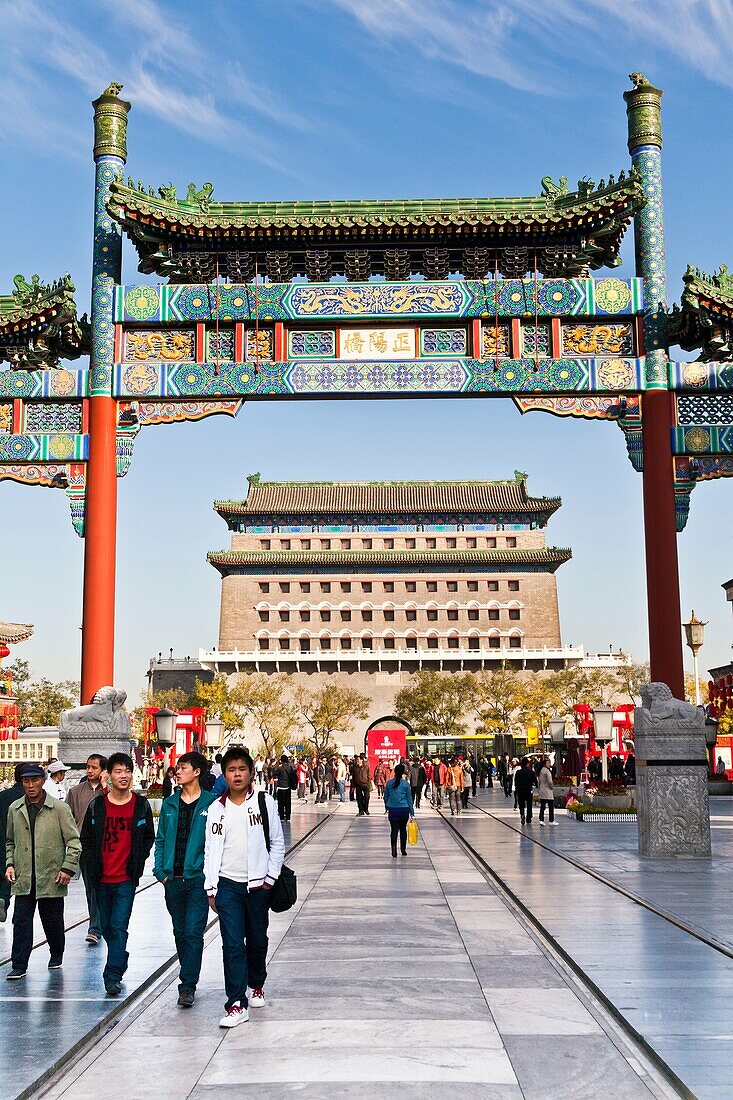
{"x": 501, "y": 701}
{"x": 263, "y": 699}
{"x": 46, "y": 700}
{"x": 541, "y": 703}
{"x": 437, "y": 705}
{"x": 330, "y": 709}
{"x": 168, "y": 699}
{"x": 594, "y": 686}
{"x": 216, "y": 697}
{"x": 21, "y": 674}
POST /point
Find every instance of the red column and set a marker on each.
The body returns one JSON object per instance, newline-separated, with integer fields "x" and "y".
{"x": 98, "y": 625}
{"x": 660, "y": 535}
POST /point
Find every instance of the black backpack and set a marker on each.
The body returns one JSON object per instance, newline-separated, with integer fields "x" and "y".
{"x": 284, "y": 893}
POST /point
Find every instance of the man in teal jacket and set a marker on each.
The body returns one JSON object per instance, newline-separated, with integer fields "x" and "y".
{"x": 179, "y": 865}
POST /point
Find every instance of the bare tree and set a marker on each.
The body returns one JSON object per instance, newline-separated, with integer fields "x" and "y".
{"x": 264, "y": 700}
{"x": 328, "y": 710}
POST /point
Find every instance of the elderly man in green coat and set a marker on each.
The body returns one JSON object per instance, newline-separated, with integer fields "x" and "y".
{"x": 42, "y": 850}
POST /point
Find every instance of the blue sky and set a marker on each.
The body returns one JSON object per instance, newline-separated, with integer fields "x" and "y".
{"x": 338, "y": 99}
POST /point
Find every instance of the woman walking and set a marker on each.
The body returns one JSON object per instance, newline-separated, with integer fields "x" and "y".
{"x": 546, "y": 792}
{"x": 469, "y": 778}
{"x": 454, "y": 786}
{"x": 400, "y": 807}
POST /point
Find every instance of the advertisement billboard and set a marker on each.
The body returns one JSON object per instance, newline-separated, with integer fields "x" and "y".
{"x": 385, "y": 745}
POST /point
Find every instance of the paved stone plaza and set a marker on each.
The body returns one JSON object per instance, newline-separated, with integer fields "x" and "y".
{"x": 417, "y": 972}
{"x": 412, "y": 972}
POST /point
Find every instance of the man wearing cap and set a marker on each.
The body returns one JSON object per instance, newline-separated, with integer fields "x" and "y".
{"x": 55, "y": 785}
{"x": 42, "y": 849}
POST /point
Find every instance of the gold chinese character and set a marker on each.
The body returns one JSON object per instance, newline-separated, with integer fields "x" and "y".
{"x": 377, "y": 342}
{"x": 354, "y": 342}
{"x": 401, "y": 342}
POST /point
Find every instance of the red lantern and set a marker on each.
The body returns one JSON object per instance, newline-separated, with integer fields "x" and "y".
{"x": 4, "y": 651}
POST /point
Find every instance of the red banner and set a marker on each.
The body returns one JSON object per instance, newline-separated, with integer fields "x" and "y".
{"x": 385, "y": 745}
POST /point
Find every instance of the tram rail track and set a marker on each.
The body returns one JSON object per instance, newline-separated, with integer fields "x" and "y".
{"x": 706, "y": 938}
{"x": 604, "y": 1004}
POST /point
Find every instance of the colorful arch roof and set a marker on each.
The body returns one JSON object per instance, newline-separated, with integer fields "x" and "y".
{"x": 39, "y": 324}
{"x": 585, "y": 225}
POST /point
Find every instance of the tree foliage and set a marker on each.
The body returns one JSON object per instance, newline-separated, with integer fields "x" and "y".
{"x": 437, "y": 705}
{"x": 593, "y": 686}
{"x": 632, "y": 678}
{"x": 40, "y": 702}
{"x": 501, "y": 701}
{"x": 217, "y": 698}
{"x": 330, "y": 709}
{"x": 264, "y": 700}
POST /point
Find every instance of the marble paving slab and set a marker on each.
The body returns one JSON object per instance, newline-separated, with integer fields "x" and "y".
{"x": 409, "y": 979}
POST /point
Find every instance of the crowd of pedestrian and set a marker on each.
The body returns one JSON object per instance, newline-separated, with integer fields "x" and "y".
{"x": 213, "y": 851}
{"x": 219, "y": 844}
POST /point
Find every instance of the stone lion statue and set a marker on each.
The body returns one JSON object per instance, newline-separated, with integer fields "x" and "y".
{"x": 659, "y": 705}
{"x": 104, "y": 715}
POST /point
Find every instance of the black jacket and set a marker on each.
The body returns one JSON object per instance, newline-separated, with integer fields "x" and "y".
{"x": 7, "y": 798}
{"x": 143, "y": 837}
{"x": 524, "y": 780}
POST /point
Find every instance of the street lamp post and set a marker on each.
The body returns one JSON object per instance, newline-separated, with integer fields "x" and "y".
{"x": 603, "y": 732}
{"x": 711, "y": 738}
{"x": 165, "y": 728}
{"x": 557, "y": 737}
{"x": 214, "y": 733}
{"x": 694, "y": 634}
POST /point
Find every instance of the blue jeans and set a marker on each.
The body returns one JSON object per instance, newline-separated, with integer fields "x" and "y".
{"x": 341, "y": 788}
{"x": 114, "y": 901}
{"x": 188, "y": 906}
{"x": 243, "y": 920}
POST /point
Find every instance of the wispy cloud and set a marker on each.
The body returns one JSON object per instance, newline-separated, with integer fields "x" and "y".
{"x": 527, "y": 46}
{"x": 166, "y": 72}
{"x": 476, "y": 37}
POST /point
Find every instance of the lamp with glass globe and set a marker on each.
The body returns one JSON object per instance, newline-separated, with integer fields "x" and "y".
{"x": 214, "y": 733}
{"x": 165, "y": 727}
{"x": 603, "y": 734}
{"x": 557, "y": 737}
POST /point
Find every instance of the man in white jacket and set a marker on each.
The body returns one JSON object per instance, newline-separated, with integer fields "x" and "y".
{"x": 239, "y": 872}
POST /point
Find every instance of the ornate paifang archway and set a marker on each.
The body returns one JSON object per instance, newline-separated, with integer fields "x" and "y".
{"x": 526, "y": 319}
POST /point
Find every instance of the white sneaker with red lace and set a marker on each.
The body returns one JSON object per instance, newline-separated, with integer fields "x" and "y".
{"x": 256, "y": 998}
{"x": 235, "y": 1015}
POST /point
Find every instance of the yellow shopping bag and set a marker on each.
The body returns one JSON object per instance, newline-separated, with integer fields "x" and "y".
{"x": 412, "y": 831}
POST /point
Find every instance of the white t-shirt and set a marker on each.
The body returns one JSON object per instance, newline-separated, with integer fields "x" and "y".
{"x": 54, "y": 789}
{"x": 235, "y": 858}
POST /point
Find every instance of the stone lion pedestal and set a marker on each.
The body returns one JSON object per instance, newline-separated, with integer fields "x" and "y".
{"x": 101, "y": 727}
{"x": 673, "y": 812}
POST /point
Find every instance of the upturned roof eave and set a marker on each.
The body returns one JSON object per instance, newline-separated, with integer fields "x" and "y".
{"x": 540, "y": 555}
{"x": 540, "y": 507}
{"x": 131, "y": 205}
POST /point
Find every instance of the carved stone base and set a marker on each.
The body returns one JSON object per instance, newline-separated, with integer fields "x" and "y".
{"x": 75, "y": 751}
{"x": 673, "y": 812}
